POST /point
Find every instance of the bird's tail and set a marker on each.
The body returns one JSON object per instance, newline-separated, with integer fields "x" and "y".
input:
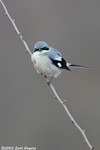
{"x": 77, "y": 66}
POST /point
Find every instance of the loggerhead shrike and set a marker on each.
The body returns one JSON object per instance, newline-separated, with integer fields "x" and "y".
{"x": 49, "y": 61}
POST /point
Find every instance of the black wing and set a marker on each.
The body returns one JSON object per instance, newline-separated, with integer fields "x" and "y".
{"x": 60, "y": 64}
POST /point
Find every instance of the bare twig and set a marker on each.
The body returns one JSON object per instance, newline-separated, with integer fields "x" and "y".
{"x": 62, "y": 102}
{"x": 15, "y": 27}
{"x": 52, "y": 87}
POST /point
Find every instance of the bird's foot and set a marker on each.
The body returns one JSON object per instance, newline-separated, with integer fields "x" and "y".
{"x": 48, "y": 83}
{"x": 49, "y": 80}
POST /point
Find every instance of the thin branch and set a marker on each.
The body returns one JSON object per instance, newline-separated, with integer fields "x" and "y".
{"x": 19, "y": 34}
{"x": 52, "y": 87}
{"x": 71, "y": 118}
{"x": 15, "y": 27}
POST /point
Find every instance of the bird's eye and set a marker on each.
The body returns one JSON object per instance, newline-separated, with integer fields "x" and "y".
{"x": 44, "y": 48}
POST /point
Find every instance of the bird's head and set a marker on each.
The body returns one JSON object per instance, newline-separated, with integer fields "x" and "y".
{"x": 41, "y": 46}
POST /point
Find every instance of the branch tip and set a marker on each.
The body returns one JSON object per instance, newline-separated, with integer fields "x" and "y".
{"x": 27, "y": 50}
{"x": 64, "y": 101}
{"x": 55, "y": 97}
{"x": 19, "y": 33}
{"x": 21, "y": 37}
{"x": 72, "y": 122}
{"x": 84, "y": 141}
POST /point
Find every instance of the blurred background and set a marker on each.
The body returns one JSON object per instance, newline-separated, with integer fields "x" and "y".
{"x": 29, "y": 114}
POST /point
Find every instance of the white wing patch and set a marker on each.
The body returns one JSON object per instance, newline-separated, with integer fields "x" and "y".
{"x": 59, "y": 64}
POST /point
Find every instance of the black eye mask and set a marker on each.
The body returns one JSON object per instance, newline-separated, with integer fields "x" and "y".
{"x": 45, "y": 48}
{"x": 40, "y": 49}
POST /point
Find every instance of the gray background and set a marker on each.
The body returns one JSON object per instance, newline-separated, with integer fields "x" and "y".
{"x": 29, "y": 114}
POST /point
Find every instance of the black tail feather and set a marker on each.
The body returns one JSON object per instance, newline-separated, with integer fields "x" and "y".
{"x": 78, "y": 66}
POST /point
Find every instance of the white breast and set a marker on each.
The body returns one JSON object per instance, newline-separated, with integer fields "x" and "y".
{"x": 44, "y": 65}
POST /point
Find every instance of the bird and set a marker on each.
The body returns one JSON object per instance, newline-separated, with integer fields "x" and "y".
{"x": 49, "y": 61}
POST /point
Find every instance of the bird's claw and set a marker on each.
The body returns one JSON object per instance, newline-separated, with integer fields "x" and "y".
{"x": 48, "y": 83}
